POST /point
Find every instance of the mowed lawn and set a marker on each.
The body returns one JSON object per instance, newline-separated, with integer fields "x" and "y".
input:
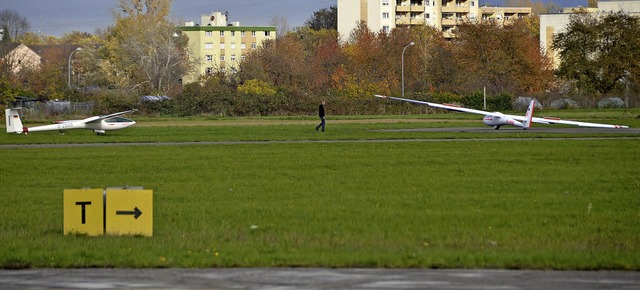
{"x": 543, "y": 204}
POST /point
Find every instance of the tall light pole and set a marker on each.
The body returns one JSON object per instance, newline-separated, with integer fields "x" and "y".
{"x": 410, "y": 44}
{"x": 69, "y": 66}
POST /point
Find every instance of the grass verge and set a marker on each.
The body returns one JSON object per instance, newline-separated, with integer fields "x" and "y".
{"x": 561, "y": 204}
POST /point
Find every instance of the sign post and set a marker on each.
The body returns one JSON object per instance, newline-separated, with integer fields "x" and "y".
{"x": 83, "y": 211}
{"x": 113, "y": 211}
{"x": 129, "y": 212}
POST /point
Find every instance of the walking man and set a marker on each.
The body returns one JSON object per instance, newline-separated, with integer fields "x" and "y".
{"x": 321, "y": 115}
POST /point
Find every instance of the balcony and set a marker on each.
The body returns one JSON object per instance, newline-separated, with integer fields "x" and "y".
{"x": 449, "y": 21}
{"x": 411, "y": 8}
{"x": 409, "y": 21}
{"x": 455, "y": 9}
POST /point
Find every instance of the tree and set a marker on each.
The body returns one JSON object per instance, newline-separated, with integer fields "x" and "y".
{"x": 501, "y": 59}
{"x": 600, "y": 53}
{"x": 142, "y": 51}
{"x": 133, "y": 8}
{"x": 436, "y": 68}
{"x": 13, "y": 24}
{"x": 325, "y": 18}
{"x": 281, "y": 24}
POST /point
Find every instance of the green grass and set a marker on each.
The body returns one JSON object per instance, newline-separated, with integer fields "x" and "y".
{"x": 301, "y": 128}
{"x": 540, "y": 204}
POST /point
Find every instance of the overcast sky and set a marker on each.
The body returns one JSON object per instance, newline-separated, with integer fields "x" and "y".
{"x": 56, "y": 17}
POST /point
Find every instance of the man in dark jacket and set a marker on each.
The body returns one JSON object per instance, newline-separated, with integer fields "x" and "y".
{"x": 321, "y": 115}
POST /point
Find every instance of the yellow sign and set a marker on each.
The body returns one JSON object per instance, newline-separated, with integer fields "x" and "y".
{"x": 83, "y": 211}
{"x": 129, "y": 212}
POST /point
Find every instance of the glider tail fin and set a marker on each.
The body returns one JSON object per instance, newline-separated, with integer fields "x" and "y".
{"x": 529, "y": 115}
{"x": 13, "y": 122}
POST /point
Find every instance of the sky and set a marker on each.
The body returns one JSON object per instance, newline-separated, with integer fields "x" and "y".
{"x": 57, "y": 17}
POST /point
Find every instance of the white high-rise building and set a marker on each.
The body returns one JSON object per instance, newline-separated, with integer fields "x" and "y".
{"x": 445, "y": 15}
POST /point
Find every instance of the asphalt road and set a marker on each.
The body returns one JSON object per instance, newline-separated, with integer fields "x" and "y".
{"x": 315, "y": 278}
{"x": 508, "y": 129}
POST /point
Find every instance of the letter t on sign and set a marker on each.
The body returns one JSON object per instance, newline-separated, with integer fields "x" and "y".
{"x": 84, "y": 211}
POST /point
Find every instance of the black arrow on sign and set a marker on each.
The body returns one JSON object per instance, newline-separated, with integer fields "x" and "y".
{"x": 135, "y": 213}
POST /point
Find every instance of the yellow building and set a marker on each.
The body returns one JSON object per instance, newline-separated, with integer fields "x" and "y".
{"x": 445, "y": 15}
{"x": 215, "y": 45}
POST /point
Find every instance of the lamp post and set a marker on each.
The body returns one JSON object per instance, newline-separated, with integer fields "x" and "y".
{"x": 69, "y": 66}
{"x": 410, "y": 44}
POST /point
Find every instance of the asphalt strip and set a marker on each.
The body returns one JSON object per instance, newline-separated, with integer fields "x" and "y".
{"x": 315, "y": 278}
{"x": 249, "y": 142}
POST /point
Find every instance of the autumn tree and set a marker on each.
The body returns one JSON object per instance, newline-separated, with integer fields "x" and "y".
{"x": 13, "y": 24}
{"x": 366, "y": 69}
{"x": 500, "y": 58}
{"x": 600, "y": 53}
{"x": 142, "y": 51}
{"x": 325, "y": 18}
{"x": 323, "y": 56}
{"x": 281, "y": 24}
{"x": 430, "y": 64}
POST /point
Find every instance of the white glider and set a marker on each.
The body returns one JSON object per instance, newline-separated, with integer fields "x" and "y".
{"x": 497, "y": 119}
{"x": 99, "y": 124}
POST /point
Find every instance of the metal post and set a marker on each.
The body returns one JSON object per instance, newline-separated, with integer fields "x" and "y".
{"x": 410, "y": 44}
{"x": 69, "y": 66}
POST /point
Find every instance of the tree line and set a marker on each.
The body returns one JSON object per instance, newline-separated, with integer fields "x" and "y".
{"x": 141, "y": 54}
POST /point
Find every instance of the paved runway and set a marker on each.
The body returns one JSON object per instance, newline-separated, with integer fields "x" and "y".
{"x": 507, "y": 129}
{"x": 316, "y": 278}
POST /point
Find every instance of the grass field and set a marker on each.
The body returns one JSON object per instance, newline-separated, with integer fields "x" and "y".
{"x": 530, "y": 203}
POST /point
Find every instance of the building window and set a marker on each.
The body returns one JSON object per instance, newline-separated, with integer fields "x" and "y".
{"x": 242, "y": 58}
{"x": 208, "y": 33}
{"x": 385, "y": 15}
{"x": 233, "y": 57}
{"x": 208, "y": 70}
{"x": 221, "y": 45}
{"x": 222, "y": 58}
{"x": 385, "y": 2}
{"x": 267, "y": 33}
{"x": 243, "y": 46}
{"x": 209, "y": 57}
{"x": 385, "y": 29}
{"x": 208, "y": 45}
{"x": 473, "y": 3}
{"x": 233, "y": 45}
{"x": 253, "y": 33}
{"x": 233, "y": 33}
{"x": 221, "y": 33}
{"x": 253, "y": 45}
{"x": 242, "y": 33}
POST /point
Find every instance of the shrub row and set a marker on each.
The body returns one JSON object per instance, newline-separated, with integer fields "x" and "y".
{"x": 229, "y": 103}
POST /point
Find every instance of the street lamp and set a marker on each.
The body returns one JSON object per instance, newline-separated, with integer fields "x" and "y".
{"x": 410, "y": 44}
{"x": 69, "y": 66}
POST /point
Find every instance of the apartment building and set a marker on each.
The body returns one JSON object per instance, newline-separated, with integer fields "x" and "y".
{"x": 552, "y": 24}
{"x": 216, "y": 45}
{"x": 445, "y": 15}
